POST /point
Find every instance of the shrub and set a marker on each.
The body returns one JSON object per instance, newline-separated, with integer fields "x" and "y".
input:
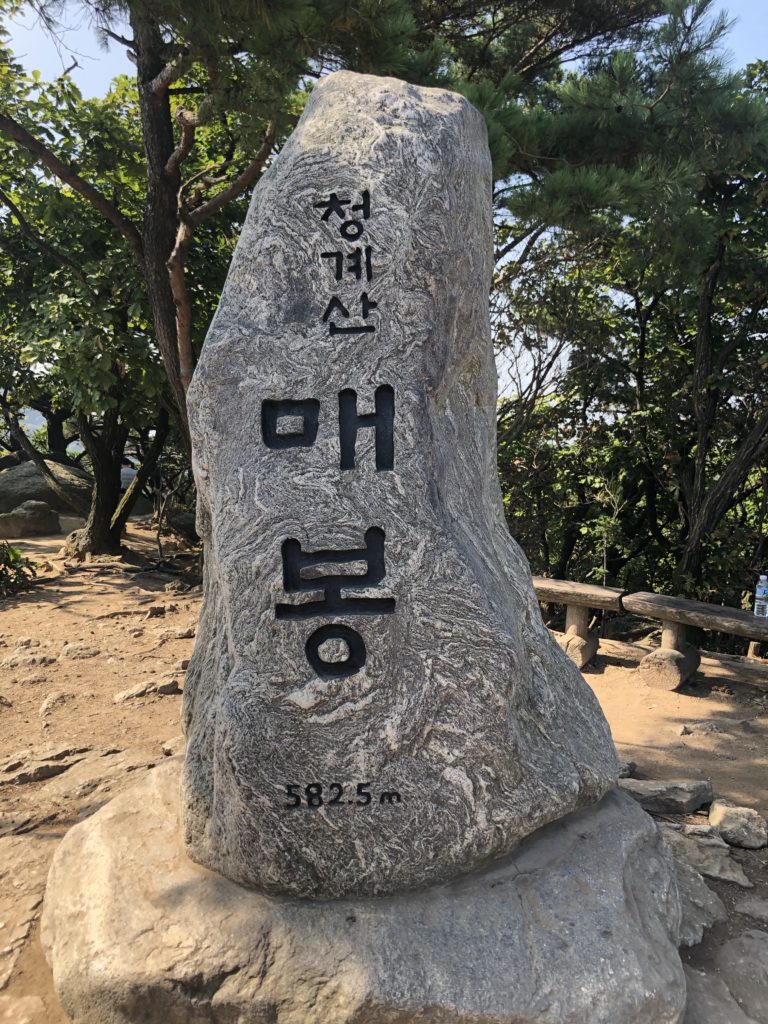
{"x": 16, "y": 572}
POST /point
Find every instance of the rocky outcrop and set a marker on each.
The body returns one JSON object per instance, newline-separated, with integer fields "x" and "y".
{"x": 25, "y": 483}
{"x": 578, "y": 926}
{"x": 30, "y": 519}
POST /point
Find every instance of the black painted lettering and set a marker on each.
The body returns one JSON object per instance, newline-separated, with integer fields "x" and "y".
{"x": 338, "y": 258}
{"x": 382, "y": 420}
{"x": 336, "y": 669}
{"x": 307, "y": 410}
{"x": 333, "y": 205}
{"x": 295, "y": 561}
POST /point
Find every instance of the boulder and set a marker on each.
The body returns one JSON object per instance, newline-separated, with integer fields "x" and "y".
{"x": 743, "y": 966}
{"x": 25, "y": 483}
{"x": 739, "y": 826}
{"x": 578, "y": 926}
{"x": 30, "y": 519}
{"x": 680, "y": 796}
{"x": 701, "y": 908}
{"x": 374, "y": 703}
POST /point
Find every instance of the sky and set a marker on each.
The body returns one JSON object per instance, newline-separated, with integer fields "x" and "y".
{"x": 748, "y": 41}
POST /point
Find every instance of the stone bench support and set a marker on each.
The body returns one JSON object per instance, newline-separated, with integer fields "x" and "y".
{"x": 579, "y": 598}
{"x": 676, "y": 660}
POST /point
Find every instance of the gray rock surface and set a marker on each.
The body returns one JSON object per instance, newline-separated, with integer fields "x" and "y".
{"x": 627, "y": 769}
{"x": 754, "y": 907}
{"x": 30, "y": 519}
{"x": 710, "y": 1001}
{"x": 90, "y": 784}
{"x": 743, "y": 966}
{"x": 25, "y": 483}
{"x": 739, "y": 826}
{"x": 679, "y": 796}
{"x": 578, "y": 926}
{"x": 464, "y": 706}
{"x": 702, "y": 848}
{"x": 701, "y": 908}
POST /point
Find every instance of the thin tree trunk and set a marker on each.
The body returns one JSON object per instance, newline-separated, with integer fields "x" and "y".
{"x": 54, "y": 424}
{"x": 146, "y": 469}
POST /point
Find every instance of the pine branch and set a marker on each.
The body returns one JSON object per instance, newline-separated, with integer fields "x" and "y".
{"x": 533, "y": 234}
{"x": 19, "y": 134}
{"x": 171, "y": 73}
{"x": 247, "y": 178}
{"x": 129, "y": 43}
{"x": 188, "y": 121}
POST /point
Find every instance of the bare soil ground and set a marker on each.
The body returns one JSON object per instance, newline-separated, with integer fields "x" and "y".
{"x": 87, "y": 633}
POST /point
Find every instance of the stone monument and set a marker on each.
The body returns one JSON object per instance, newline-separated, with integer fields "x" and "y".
{"x": 397, "y": 800}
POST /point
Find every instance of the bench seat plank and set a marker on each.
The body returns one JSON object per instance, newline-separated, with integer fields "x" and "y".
{"x": 697, "y": 613}
{"x": 586, "y": 594}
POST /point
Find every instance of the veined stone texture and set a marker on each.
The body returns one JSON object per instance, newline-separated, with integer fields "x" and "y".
{"x": 464, "y": 708}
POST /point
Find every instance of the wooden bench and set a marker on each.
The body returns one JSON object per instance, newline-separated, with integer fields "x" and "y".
{"x": 677, "y": 659}
{"x": 579, "y": 599}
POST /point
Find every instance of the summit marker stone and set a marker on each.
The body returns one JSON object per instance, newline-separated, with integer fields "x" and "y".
{"x": 384, "y": 743}
{"x": 374, "y": 703}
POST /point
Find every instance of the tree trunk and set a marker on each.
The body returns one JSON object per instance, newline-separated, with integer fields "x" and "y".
{"x": 57, "y": 440}
{"x": 717, "y": 501}
{"x": 99, "y": 536}
{"x": 161, "y": 210}
{"x": 54, "y": 425}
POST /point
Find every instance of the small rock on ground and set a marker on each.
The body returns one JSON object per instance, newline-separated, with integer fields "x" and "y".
{"x": 702, "y": 848}
{"x": 79, "y": 651}
{"x": 754, "y": 907}
{"x": 678, "y": 796}
{"x": 165, "y": 688}
{"x": 739, "y": 826}
{"x": 54, "y": 700}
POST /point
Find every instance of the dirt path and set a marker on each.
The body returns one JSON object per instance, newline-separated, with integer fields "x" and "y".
{"x": 646, "y": 726}
{"x": 86, "y": 634}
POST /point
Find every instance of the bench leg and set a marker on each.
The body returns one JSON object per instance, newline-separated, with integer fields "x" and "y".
{"x": 578, "y": 643}
{"x": 673, "y": 663}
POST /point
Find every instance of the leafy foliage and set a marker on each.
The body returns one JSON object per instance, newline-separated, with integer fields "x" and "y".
{"x": 651, "y": 433}
{"x": 16, "y": 572}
